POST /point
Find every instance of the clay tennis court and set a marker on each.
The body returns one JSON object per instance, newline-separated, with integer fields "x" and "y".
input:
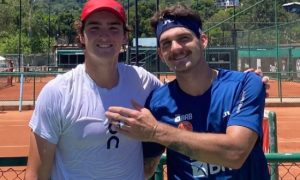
{"x": 14, "y": 131}
{"x": 12, "y": 93}
{"x": 14, "y": 135}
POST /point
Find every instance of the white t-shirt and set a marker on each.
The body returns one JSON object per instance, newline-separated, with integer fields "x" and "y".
{"x": 70, "y": 113}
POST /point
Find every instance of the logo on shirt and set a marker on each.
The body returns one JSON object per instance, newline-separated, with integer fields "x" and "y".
{"x": 113, "y": 141}
{"x": 185, "y": 125}
{"x": 201, "y": 169}
{"x": 226, "y": 114}
{"x": 167, "y": 21}
{"x": 185, "y": 117}
{"x": 241, "y": 102}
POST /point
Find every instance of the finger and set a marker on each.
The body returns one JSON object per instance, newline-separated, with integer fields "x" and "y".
{"x": 259, "y": 72}
{"x": 249, "y": 70}
{"x": 136, "y": 105}
{"x": 122, "y": 111}
{"x": 112, "y": 115}
{"x": 267, "y": 94}
{"x": 115, "y": 124}
{"x": 115, "y": 118}
{"x": 121, "y": 127}
{"x": 265, "y": 79}
{"x": 118, "y": 124}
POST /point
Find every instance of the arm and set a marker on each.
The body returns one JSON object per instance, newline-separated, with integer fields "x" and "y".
{"x": 40, "y": 159}
{"x": 230, "y": 149}
{"x": 152, "y": 153}
{"x": 150, "y": 165}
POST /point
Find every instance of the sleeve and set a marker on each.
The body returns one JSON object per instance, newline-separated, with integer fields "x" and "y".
{"x": 149, "y": 80}
{"x": 249, "y": 106}
{"x": 45, "y": 120}
{"x": 151, "y": 149}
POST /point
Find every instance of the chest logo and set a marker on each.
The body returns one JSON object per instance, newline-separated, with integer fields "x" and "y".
{"x": 226, "y": 114}
{"x": 185, "y": 125}
{"x": 185, "y": 117}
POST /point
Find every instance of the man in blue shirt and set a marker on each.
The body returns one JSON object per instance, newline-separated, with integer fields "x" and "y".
{"x": 208, "y": 119}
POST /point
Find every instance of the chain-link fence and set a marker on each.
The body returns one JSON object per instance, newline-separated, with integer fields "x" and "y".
{"x": 282, "y": 166}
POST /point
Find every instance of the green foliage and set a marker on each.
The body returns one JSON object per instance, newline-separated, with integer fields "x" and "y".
{"x": 42, "y": 20}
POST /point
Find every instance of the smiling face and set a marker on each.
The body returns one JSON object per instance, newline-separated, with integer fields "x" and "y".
{"x": 103, "y": 36}
{"x": 181, "y": 49}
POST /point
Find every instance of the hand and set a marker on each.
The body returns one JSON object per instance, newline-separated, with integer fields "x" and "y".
{"x": 265, "y": 79}
{"x": 136, "y": 123}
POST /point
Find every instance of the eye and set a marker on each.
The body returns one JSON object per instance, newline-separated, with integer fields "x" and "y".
{"x": 94, "y": 28}
{"x": 115, "y": 28}
{"x": 165, "y": 44}
{"x": 184, "y": 39}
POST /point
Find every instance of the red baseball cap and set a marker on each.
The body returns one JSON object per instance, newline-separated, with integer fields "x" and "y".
{"x": 109, "y": 5}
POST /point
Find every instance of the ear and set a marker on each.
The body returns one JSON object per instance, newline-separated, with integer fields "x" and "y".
{"x": 81, "y": 38}
{"x": 203, "y": 40}
{"x": 160, "y": 54}
{"x": 125, "y": 39}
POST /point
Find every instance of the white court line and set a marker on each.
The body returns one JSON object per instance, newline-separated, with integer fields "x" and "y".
{"x": 14, "y": 146}
{"x": 289, "y": 140}
{"x": 286, "y": 142}
{"x": 8, "y": 120}
{"x": 15, "y": 125}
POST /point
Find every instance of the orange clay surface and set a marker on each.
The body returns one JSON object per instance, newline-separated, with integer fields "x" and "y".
{"x": 12, "y": 93}
{"x": 14, "y": 131}
{"x": 14, "y": 134}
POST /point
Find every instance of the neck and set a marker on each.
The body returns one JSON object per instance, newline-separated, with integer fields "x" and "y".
{"x": 198, "y": 81}
{"x": 105, "y": 76}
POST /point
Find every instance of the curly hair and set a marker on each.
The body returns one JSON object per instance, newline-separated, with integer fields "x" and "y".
{"x": 177, "y": 11}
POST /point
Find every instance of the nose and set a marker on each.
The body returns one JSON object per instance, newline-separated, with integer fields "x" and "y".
{"x": 175, "y": 46}
{"x": 103, "y": 34}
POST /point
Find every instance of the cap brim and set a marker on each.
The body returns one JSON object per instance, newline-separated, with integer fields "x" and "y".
{"x": 112, "y": 10}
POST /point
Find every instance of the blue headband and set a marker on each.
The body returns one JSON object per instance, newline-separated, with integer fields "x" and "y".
{"x": 172, "y": 22}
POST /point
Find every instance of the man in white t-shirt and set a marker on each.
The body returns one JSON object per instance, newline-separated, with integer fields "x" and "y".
{"x": 71, "y": 137}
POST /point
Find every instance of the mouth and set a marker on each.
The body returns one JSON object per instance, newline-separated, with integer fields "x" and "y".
{"x": 104, "y": 45}
{"x": 180, "y": 57}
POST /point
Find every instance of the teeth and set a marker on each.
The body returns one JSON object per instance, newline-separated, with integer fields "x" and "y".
{"x": 103, "y": 45}
{"x": 179, "y": 57}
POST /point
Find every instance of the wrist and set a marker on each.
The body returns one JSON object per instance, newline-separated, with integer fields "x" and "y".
{"x": 154, "y": 131}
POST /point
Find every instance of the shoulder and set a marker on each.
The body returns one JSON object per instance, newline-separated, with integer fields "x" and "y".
{"x": 163, "y": 93}
{"x": 64, "y": 82}
{"x": 139, "y": 71}
{"x": 239, "y": 77}
{"x": 230, "y": 75}
{"x": 138, "y": 74}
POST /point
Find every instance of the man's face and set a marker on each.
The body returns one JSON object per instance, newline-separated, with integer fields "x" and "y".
{"x": 103, "y": 35}
{"x": 181, "y": 49}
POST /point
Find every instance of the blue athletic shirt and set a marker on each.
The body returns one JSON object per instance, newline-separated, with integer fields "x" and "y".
{"x": 235, "y": 98}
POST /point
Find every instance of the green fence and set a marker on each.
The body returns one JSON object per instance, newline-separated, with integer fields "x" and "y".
{"x": 282, "y": 166}
{"x": 284, "y": 87}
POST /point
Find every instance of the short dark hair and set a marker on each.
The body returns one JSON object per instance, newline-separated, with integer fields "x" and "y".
{"x": 176, "y": 11}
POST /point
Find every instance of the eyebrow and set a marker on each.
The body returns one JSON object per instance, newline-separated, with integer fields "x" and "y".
{"x": 178, "y": 36}
{"x": 97, "y": 23}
